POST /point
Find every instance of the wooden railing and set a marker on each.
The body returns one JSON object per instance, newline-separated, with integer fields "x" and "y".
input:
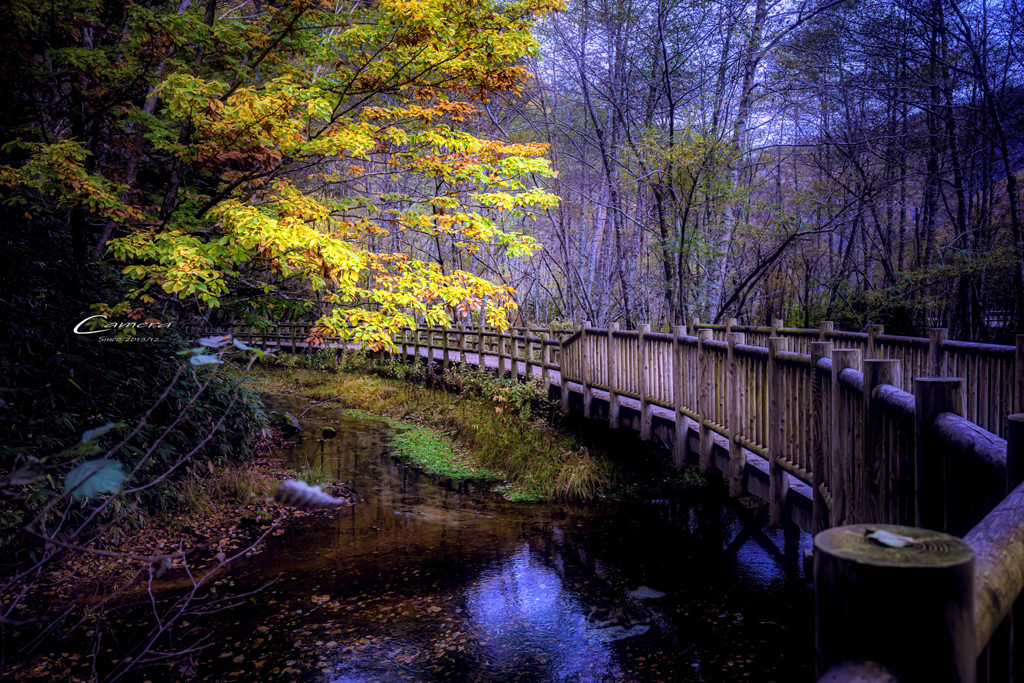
{"x": 522, "y": 351}
{"x": 284, "y": 335}
{"x": 989, "y": 369}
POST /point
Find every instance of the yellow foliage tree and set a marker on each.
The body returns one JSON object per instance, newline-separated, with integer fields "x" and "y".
{"x": 255, "y": 157}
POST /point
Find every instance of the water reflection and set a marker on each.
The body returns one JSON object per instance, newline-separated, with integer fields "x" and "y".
{"x": 529, "y": 622}
{"x": 423, "y": 583}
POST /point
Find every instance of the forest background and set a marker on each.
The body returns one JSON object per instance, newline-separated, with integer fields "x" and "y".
{"x": 847, "y": 161}
{"x": 632, "y": 160}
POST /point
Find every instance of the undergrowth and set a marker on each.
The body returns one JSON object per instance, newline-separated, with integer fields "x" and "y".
{"x": 500, "y": 425}
{"x": 235, "y": 484}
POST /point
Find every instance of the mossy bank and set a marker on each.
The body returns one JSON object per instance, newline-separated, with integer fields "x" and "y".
{"x": 474, "y": 427}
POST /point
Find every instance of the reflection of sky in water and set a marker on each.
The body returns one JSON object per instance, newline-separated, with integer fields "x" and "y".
{"x": 523, "y": 626}
{"x": 526, "y": 620}
{"x": 530, "y": 594}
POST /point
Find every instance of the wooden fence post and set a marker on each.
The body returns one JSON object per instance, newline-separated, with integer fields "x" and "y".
{"x": 643, "y": 386}
{"x": 1014, "y": 451}
{"x": 826, "y": 329}
{"x": 510, "y": 349}
{"x": 501, "y": 354}
{"x": 729, "y": 323}
{"x": 1018, "y": 374}
{"x": 564, "y": 378}
{"x": 528, "y": 352}
{"x": 1014, "y": 431}
{"x": 706, "y": 395}
{"x": 873, "y": 331}
{"x": 527, "y": 355}
{"x": 820, "y": 434}
{"x": 872, "y": 601}
{"x": 430, "y": 345}
{"x": 873, "y": 475}
{"x": 843, "y": 440}
{"x": 514, "y": 353}
{"x": 545, "y": 357}
{"x": 932, "y": 396}
{"x": 936, "y": 356}
{"x": 693, "y": 326}
{"x": 585, "y": 360}
{"x": 462, "y": 344}
{"x": 482, "y": 340}
{"x": 778, "y": 479}
{"x": 480, "y": 348}
{"x": 613, "y": 368}
{"x": 678, "y": 390}
{"x": 776, "y": 324}
{"x": 733, "y": 411}
{"x": 444, "y": 351}
{"x": 510, "y": 352}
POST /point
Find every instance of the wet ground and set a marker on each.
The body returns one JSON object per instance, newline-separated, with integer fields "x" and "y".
{"x": 425, "y": 582}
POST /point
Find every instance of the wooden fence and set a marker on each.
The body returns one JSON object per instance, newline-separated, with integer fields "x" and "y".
{"x": 987, "y": 368}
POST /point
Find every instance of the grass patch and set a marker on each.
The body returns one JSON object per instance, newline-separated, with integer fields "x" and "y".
{"x": 430, "y": 450}
{"x": 437, "y": 454}
{"x": 232, "y": 485}
{"x": 486, "y": 427}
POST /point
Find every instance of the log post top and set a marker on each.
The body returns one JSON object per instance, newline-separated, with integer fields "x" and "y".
{"x": 859, "y": 671}
{"x": 821, "y": 349}
{"x": 863, "y": 544}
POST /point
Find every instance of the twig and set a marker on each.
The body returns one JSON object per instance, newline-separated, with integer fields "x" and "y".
{"x": 326, "y": 400}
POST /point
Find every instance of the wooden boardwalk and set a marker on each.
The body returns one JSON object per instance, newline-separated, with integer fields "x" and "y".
{"x": 843, "y": 434}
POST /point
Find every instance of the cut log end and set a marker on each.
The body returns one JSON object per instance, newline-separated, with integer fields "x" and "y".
{"x": 859, "y": 671}
{"x": 860, "y": 544}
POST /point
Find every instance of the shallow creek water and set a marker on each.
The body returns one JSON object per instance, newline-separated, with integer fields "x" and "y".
{"x": 422, "y": 581}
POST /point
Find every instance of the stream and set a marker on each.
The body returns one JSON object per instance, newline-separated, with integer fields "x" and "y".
{"x": 423, "y": 581}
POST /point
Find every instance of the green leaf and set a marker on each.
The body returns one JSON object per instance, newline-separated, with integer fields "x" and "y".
{"x": 90, "y": 436}
{"x": 204, "y": 360}
{"x": 95, "y": 477}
